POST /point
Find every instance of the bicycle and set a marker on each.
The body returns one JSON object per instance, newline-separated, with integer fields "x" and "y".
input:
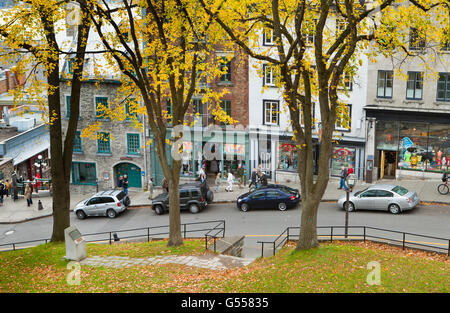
{"x": 444, "y": 189}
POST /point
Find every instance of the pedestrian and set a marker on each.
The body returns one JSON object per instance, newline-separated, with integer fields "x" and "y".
{"x": 165, "y": 184}
{"x": 28, "y": 192}
{"x": 350, "y": 170}
{"x": 230, "y": 182}
{"x": 240, "y": 175}
{"x": 150, "y": 188}
{"x": 253, "y": 179}
{"x": 218, "y": 181}
{"x": 263, "y": 179}
{"x": 2, "y": 192}
{"x": 7, "y": 185}
{"x": 119, "y": 183}
{"x": 125, "y": 184}
{"x": 259, "y": 171}
{"x": 343, "y": 176}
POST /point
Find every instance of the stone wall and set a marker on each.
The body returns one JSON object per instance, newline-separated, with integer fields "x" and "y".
{"x": 6, "y": 168}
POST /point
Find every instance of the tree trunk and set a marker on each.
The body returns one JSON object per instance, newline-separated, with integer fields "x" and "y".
{"x": 175, "y": 238}
{"x": 308, "y": 230}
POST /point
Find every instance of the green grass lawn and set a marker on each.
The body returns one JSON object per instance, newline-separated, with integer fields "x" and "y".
{"x": 337, "y": 267}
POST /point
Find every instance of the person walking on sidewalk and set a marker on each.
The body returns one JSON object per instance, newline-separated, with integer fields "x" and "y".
{"x": 28, "y": 192}
{"x": 253, "y": 178}
{"x": 150, "y": 188}
{"x": 165, "y": 184}
{"x": 2, "y": 192}
{"x": 240, "y": 175}
{"x": 343, "y": 176}
{"x": 217, "y": 182}
{"x": 125, "y": 184}
{"x": 230, "y": 182}
{"x": 7, "y": 188}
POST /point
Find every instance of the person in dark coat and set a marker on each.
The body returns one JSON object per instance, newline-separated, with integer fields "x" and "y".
{"x": 343, "y": 176}
{"x": 253, "y": 179}
{"x": 125, "y": 184}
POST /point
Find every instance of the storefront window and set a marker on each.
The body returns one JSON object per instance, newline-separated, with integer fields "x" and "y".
{"x": 414, "y": 152}
{"x": 287, "y": 156}
{"x": 439, "y": 142}
{"x": 234, "y": 154}
{"x": 387, "y": 135}
{"x": 342, "y": 156}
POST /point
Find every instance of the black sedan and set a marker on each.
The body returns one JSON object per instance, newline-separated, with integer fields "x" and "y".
{"x": 268, "y": 198}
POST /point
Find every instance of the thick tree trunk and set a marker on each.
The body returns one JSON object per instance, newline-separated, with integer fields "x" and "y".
{"x": 308, "y": 230}
{"x": 175, "y": 238}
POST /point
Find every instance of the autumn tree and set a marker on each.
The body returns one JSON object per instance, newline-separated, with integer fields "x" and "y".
{"x": 29, "y": 31}
{"x": 160, "y": 48}
{"x": 315, "y": 43}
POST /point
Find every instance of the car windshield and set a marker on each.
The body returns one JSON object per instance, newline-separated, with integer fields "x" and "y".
{"x": 400, "y": 190}
{"x": 358, "y": 192}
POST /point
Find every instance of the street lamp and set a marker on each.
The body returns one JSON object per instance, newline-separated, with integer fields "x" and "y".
{"x": 351, "y": 182}
{"x": 39, "y": 163}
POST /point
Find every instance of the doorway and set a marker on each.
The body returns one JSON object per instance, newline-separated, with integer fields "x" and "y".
{"x": 132, "y": 171}
{"x": 388, "y": 164}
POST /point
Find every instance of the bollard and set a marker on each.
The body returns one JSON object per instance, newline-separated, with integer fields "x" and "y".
{"x": 40, "y": 206}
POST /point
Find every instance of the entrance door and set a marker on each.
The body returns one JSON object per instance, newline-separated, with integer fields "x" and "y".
{"x": 132, "y": 171}
{"x": 388, "y": 163}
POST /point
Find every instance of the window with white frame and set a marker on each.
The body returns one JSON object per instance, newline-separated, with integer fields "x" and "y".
{"x": 313, "y": 115}
{"x": 271, "y": 112}
{"x": 385, "y": 83}
{"x": 414, "y": 86}
{"x": 268, "y": 76}
{"x": 343, "y": 117}
{"x": 268, "y": 37}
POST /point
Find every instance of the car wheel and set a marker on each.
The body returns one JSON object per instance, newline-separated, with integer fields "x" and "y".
{"x": 111, "y": 213}
{"x": 351, "y": 206}
{"x": 193, "y": 208}
{"x": 244, "y": 207}
{"x": 81, "y": 215}
{"x": 282, "y": 206}
{"x": 209, "y": 196}
{"x": 159, "y": 210}
{"x": 394, "y": 209}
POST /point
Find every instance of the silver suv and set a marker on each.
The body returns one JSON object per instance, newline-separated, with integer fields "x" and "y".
{"x": 104, "y": 203}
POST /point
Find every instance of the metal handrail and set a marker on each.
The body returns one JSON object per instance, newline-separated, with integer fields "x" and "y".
{"x": 147, "y": 233}
{"x": 365, "y": 237}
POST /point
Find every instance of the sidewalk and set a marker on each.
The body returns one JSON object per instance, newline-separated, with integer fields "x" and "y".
{"x": 17, "y": 211}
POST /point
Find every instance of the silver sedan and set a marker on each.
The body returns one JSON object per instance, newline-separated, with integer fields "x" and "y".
{"x": 392, "y": 198}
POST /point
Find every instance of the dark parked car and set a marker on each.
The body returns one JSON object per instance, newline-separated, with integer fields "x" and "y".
{"x": 268, "y": 198}
{"x": 191, "y": 198}
{"x": 283, "y": 188}
{"x": 206, "y": 192}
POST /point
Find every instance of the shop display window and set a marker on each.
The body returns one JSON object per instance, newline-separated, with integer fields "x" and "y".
{"x": 342, "y": 156}
{"x": 439, "y": 142}
{"x": 287, "y": 156}
{"x": 414, "y": 150}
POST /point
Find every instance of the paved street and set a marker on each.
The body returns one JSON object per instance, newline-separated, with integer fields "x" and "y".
{"x": 433, "y": 220}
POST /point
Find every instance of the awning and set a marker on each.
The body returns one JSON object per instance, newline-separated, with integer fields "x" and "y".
{"x": 23, "y": 152}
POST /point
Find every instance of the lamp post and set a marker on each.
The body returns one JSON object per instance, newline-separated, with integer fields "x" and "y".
{"x": 39, "y": 163}
{"x": 351, "y": 182}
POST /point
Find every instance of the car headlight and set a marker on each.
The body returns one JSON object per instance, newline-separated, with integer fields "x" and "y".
{"x": 239, "y": 200}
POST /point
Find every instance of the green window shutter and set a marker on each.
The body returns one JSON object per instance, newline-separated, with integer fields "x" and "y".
{"x": 103, "y": 142}
{"x": 101, "y": 102}
{"x": 77, "y": 143}
{"x": 133, "y": 143}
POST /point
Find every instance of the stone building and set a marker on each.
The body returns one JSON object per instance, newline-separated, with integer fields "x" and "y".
{"x": 117, "y": 148}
